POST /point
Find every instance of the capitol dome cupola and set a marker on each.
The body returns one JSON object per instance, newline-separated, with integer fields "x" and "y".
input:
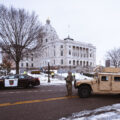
{"x": 48, "y": 21}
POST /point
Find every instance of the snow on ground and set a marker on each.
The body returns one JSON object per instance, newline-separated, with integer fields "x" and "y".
{"x": 104, "y": 113}
{"x": 78, "y": 76}
{"x": 44, "y": 79}
{"x": 56, "y": 81}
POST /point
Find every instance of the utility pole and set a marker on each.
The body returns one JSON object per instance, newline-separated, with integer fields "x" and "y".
{"x": 48, "y": 72}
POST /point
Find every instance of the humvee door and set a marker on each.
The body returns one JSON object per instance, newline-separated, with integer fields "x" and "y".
{"x": 105, "y": 82}
{"x": 116, "y": 83}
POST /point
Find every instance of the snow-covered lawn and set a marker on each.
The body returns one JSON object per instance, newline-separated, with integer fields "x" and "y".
{"x": 104, "y": 113}
{"x": 56, "y": 81}
{"x": 78, "y": 76}
{"x": 44, "y": 79}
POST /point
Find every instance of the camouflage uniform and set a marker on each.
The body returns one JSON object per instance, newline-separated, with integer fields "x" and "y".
{"x": 69, "y": 80}
{"x": 74, "y": 77}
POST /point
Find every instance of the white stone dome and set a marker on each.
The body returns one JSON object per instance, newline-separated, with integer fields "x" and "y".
{"x": 51, "y": 34}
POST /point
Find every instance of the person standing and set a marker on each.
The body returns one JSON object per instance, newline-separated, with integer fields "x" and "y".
{"x": 69, "y": 80}
{"x": 52, "y": 74}
{"x": 73, "y": 76}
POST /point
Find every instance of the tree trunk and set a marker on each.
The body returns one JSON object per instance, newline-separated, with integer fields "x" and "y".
{"x": 17, "y": 67}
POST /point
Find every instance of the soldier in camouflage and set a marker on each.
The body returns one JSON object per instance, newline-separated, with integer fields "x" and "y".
{"x": 69, "y": 80}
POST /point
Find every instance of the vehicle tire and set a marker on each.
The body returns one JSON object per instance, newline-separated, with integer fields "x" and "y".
{"x": 84, "y": 91}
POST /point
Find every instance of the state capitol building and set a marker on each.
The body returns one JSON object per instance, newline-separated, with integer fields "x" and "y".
{"x": 63, "y": 53}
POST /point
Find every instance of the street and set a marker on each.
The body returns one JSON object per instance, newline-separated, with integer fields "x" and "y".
{"x": 47, "y": 103}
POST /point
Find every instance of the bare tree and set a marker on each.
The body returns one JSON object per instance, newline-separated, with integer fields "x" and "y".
{"x": 7, "y": 63}
{"x": 20, "y": 33}
{"x": 114, "y": 57}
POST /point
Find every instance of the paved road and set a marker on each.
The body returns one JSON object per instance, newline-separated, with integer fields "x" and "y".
{"x": 47, "y": 103}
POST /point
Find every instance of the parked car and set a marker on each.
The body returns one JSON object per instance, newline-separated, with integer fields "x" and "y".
{"x": 20, "y": 80}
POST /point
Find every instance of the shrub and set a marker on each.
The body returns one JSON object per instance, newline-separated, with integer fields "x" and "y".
{"x": 35, "y": 72}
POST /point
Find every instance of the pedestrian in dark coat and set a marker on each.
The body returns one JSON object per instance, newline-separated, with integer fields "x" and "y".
{"x": 69, "y": 80}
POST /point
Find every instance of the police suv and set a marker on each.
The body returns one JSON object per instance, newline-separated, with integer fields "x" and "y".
{"x": 18, "y": 81}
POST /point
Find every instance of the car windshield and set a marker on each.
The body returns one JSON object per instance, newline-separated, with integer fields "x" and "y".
{"x": 21, "y": 76}
{"x": 17, "y": 76}
{"x": 9, "y": 77}
{"x": 24, "y": 76}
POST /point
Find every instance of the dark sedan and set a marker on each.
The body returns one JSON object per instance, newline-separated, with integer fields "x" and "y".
{"x": 18, "y": 81}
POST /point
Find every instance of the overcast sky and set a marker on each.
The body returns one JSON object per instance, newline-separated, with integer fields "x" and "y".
{"x": 91, "y": 21}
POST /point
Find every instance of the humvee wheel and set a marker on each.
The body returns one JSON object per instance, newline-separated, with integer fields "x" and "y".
{"x": 84, "y": 91}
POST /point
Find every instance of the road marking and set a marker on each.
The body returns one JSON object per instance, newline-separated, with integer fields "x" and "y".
{"x": 36, "y": 101}
{"x": 18, "y": 92}
{"x": 13, "y": 92}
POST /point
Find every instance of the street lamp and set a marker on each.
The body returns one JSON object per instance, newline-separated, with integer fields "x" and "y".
{"x": 48, "y": 71}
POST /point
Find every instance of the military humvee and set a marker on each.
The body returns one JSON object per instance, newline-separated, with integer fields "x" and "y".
{"x": 107, "y": 81}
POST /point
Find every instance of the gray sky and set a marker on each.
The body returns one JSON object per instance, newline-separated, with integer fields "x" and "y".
{"x": 91, "y": 21}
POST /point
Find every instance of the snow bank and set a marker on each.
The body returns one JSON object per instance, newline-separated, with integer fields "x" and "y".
{"x": 56, "y": 81}
{"x": 78, "y": 76}
{"x": 104, "y": 113}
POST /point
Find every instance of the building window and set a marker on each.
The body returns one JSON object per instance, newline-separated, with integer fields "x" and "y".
{"x": 27, "y": 57}
{"x": 61, "y": 53}
{"x": 69, "y": 52}
{"x": 54, "y": 62}
{"x": 69, "y": 46}
{"x": 62, "y": 62}
{"x": 46, "y": 40}
{"x": 69, "y": 61}
{"x": 73, "y": 62}
{"x": 83, "y": 63}
{"x": 87, "y": 63}
{"x": 26, "y": 64}
{"x": 90, "y": 63}
{"x": 80, "y": 63}
{"x": 61, "y": 46}
{"x": 31, "y": 58}
{"x": 54, "y": 52}
{"x": 90, "y": 55}
{"x": 21, "y": 64}
{"x": 32, "y": 65}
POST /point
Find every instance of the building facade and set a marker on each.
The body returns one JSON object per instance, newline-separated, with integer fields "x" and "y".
{"x": 64, "y": 53}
